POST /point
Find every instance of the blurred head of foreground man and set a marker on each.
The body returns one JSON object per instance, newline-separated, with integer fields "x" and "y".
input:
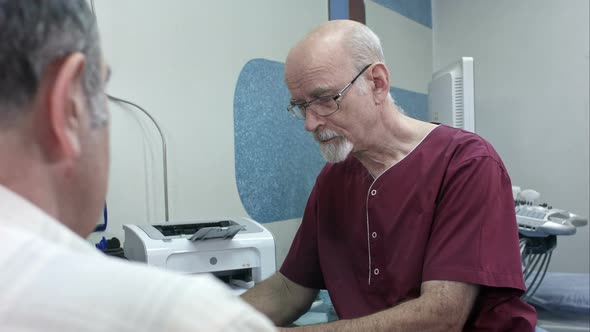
{"x": 410, "y": 225}
{"x": 54, "y": 161}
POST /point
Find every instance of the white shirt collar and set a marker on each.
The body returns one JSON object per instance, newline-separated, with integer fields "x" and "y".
{"x": 18, "y": 213}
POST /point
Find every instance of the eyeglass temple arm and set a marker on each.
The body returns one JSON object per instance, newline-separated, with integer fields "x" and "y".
{"x": 351, "y": 83}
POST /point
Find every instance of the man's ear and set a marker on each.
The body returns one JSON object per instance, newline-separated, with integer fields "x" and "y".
{"x": 380, "y": 77}
{"x": 62, "y": 108}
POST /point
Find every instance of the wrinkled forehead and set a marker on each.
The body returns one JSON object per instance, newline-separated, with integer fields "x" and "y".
{"x": 312, "y": 71}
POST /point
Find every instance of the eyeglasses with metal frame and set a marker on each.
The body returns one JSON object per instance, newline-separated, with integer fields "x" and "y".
{"x": 322, "y": 106}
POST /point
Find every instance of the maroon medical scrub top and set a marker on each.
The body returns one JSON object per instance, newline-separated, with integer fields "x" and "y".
{"x": 444, "y": 212}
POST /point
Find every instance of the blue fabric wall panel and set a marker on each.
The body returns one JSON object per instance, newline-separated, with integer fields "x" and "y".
{"x": 414, "y": 104}
{"x": 277, "y": 161}
{"x": 339, "y": 9}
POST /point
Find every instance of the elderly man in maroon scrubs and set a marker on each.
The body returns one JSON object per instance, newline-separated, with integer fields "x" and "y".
{"x": 410, "y": 225}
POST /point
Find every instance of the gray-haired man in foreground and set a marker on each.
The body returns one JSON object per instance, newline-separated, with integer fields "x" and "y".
{"x": 54, "y": 152}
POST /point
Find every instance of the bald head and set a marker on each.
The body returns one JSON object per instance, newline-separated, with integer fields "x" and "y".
{"x": 342, "y": 41}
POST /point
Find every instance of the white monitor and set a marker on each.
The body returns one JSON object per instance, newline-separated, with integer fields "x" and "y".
{"x": 451, "y": 97}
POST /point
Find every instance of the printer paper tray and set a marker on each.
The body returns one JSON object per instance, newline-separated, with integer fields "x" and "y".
{"x": 216, "y": 232}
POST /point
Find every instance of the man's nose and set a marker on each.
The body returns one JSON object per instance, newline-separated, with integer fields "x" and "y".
{"x": 312, "y": 121}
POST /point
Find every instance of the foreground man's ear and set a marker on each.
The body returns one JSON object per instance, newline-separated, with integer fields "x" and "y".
{"x": 61, "y": 112}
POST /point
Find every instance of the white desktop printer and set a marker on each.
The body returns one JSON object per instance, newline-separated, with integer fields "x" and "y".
{"x": 239, "y": 251}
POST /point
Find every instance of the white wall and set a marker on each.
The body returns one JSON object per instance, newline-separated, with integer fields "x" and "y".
{"x": 531, "y": 81}
{"x": 181, "y": 60}
{"x": 407, "y": 46}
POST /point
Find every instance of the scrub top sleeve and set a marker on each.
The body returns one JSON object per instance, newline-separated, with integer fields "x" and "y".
{"x": 302, "y": 262}
{"x": 474, "y": 236}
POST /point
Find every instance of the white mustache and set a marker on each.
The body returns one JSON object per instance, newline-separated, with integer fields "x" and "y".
{"x": 324, "y": 135}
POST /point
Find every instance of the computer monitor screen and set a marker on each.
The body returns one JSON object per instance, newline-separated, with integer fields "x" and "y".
{"x": 451, "y": 95}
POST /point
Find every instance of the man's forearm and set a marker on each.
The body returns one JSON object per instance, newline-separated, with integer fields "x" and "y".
{"x": 409, "y": 316}
{"x": 439, "y": 310}
{"x": 275, "y": 298}
{"x": 265, "y": 299}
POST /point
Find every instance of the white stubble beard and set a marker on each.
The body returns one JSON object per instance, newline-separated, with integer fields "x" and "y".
{"x": 336, "y": 150}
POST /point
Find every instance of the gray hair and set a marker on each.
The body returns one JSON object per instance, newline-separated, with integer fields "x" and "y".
{"x": 364, "y": 48}
{"x": 34, "y": 34}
